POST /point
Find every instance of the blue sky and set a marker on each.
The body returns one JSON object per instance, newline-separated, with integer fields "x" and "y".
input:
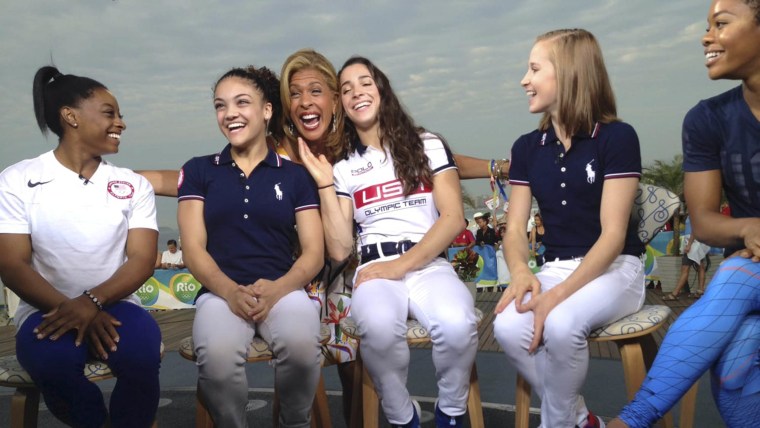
{"x": 455, "y": 64}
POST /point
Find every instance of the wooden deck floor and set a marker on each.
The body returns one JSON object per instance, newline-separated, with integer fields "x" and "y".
{"x": 177, "y": 324}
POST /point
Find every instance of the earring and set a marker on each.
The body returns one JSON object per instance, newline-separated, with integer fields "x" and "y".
{"x": 75, "y": 125}
{"x": 268, "y": 132}
{"x": 291, "y": 129}
{"x": 334, "y": 125}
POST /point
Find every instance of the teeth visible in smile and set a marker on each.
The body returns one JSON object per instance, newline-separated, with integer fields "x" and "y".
{"x": 309, "y": 116}
{"x": 115, "y": 135}
{"x": 233, "y": 126}
{"x": 711, "y": 55}
{"x": 361, "y": 105}
{"x": 530, "y": 93}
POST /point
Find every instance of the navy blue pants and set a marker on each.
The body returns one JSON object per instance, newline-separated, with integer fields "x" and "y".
{"x": 57, "y": 368}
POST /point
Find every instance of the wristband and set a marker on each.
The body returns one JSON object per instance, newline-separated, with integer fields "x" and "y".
{"x": 325, "y": 187}
{"x": 94, "y": 299}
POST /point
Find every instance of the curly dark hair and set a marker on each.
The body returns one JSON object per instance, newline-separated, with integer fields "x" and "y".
{"x": 267, "y": 82}
{"x": 755, "y": 6}
{"x": 397, "y": 132}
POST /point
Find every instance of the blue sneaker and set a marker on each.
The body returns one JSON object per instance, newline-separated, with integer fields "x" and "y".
{"x": 415, "y": 422}
{"x": 442, "y": 420}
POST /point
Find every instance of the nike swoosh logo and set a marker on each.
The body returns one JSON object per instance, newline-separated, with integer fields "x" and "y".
{"x": 30, "y": 184}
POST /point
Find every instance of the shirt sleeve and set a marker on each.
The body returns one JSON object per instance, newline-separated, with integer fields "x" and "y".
{"x": 190, "y": 184}
{"x": 306, "y": 190}
{"x": 518, "y": 165}
{"x": 143, "y": 213}
{"x": 341, "y": 186}
{"x": 12, "y": 207}
{"x": 698, "y": 138}
{"x": 439, "y": 155}
{"x": 622, "y": 154}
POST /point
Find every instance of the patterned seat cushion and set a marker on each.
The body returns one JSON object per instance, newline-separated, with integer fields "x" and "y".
{"x": 259, "y": 350}
{"x": 636, "y": 324}
{"x": 13, "y": 375}
{"x": 415, "y": 332}
{"x": 653, "y": 208}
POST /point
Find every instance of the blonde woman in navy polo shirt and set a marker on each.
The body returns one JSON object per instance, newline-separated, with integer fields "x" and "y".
{"x": 582, "y": 165}
{"x": 238, "y": 214}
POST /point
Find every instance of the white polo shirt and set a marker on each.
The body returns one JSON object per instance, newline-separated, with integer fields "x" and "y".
{"x": 78, "y": 228}
{"x": 381, "y": 210}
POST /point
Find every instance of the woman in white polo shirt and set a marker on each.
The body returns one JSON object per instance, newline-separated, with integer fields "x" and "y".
{"x": 399, "y": 185}
{"x": 78, "y": 238}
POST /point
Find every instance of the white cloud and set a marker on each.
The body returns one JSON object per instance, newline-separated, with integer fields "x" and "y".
{"x": 456, "y": 64}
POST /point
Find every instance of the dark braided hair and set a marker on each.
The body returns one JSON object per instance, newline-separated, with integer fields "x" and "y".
{"x": 53, "y": 90}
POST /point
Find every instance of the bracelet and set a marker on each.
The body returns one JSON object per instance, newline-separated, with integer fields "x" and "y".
{"x": 94, "y": 299}
{"x": 497, "y": 169}
{"x": 325, "y": 187}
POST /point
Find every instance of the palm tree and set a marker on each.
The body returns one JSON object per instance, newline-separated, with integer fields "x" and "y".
{"x": 668, "y": 175}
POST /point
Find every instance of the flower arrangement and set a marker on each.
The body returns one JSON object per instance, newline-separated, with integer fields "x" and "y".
{"x": 465, "y": 263}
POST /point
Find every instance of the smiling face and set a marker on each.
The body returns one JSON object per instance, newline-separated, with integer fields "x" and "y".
{"x": 360, "y": 97}
{"x": 99, "y": 122}
{"x": 241, "y": 111}
{"x": 540, "y": 81}
{"x": 312, "y": 104}
{"x": 732, "y": 41}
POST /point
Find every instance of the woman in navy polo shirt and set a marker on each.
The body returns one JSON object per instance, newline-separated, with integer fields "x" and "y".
{"x": 721, "y": 139}
{"x": 240, "y": 214}
{"x": 582, "y": 165}
{"x": 399, "y": 185}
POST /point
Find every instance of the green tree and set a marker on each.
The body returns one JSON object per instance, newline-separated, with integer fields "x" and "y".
{"x": 668, "y": 175}
{"x": 467, "y": 199}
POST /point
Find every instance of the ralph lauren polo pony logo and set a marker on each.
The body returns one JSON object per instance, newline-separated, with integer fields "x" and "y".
{"x": 277, "y": 192}
{"x": 590, "y": 173}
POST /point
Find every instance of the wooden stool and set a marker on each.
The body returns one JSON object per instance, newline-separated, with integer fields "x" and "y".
{"x": 633, "y": 336}
{"x": 368, "y": 406}
{"x": 260, "y": 351}
{"x": 25, "y": 403}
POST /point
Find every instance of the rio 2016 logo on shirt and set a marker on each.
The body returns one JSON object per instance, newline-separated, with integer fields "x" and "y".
{"x": 148, "y": 292}
{"x": 184, "y": 287}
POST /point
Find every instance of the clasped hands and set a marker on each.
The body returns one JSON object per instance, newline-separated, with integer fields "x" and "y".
{"x": 80, "y": 314}
{"x": 253, "y": 302}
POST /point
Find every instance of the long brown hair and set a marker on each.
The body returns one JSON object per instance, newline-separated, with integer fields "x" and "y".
{"x": 584, "y": 91}
{"x": 397, "y": 132}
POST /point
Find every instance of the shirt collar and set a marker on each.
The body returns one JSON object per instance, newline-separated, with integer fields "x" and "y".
{"x": 225, "y": 157}
{"x": 550, "y": 136}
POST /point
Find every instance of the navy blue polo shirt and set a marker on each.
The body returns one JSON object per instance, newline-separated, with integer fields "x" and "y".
{"x": 568, "y": 185}
{"x": 250, "y": 222}
{"x": 722, "y": 133}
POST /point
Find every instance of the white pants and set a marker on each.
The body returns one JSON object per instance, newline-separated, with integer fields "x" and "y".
{"x": 222, "y": 340}
{"x": 557, "y": 370}
{"x": 436, "y": 297}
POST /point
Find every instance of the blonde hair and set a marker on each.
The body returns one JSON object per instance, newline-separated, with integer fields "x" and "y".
{"x": 305, "y": 59}
{"x": 584, "y": 92}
